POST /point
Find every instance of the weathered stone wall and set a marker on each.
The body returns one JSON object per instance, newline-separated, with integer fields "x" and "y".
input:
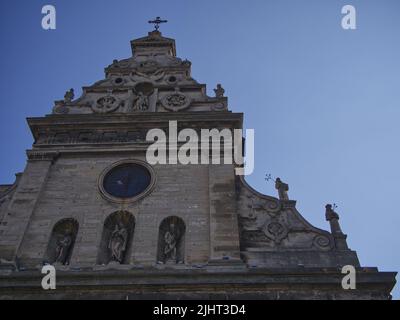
{"x": 5, "y": 198}
{"x": 71, "y": 191}
{"x": 22, "y": 206}
{"x": 223, "y": 215}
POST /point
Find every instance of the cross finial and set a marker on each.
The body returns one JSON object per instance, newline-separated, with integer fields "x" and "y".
{"x": 157, "y": 22}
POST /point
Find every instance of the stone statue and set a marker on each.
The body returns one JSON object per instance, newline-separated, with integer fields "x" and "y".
{"x": 69, "y": 96}
{"x": 330, "y": 213}
{"x": 336, "y": 230}
{"x": 171, "y": 243}
{"x": 282, "y": 188}
{"x": 142, "y": 103}
{"x": 64, "y": 244}
{"x": 118, "y": 243}
{"x": 219, "y": 92}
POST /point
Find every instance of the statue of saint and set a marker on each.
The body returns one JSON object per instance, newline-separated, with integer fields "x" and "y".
{"x": 282, "y": 188}
{"x": 69, "y": 96}
{"x": 64, "y": 244}
{"x": 142, "y": 103}
{"x": 219, "y": 92}
{"x": 171, "y": 242}
{"x": 118, "y": 243}
{"x": 171, "y": 239}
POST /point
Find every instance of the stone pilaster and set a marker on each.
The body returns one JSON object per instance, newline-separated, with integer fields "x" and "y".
{"x": 23, "y": 203}
{"x": 224, "y": 230}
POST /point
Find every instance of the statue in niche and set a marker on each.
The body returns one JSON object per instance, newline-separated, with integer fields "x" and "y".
{"x": 62, "y": 241}
{"x": 116, "y": 239}
{"x": 282, "y": 188}
{"x": 170, "y": 239}
{"x": 63, "y": 247}
{"x": 118, "y": 243}
{"x": 171, "y": 246}
{"x": 141, "y": 103}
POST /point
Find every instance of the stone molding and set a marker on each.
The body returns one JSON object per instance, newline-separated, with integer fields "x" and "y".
{"x": 42, "y": 155}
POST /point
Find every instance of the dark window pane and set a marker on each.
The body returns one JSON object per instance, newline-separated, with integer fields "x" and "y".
{"x": 127, "y": 181}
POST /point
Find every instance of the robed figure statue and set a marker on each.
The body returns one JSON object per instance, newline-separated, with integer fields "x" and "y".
{"x": 118, "y": 243}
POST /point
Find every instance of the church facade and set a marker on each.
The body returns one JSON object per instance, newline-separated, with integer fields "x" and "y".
{"x": 116, "y": 227}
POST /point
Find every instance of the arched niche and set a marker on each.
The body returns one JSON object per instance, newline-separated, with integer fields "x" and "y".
{"x": 62, "y": 242}
{"x": 116, "y": 240}
{"x": 171, "y": 241}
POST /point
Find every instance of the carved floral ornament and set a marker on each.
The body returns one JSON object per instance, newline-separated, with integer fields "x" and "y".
{"x": 276, "y": 231}
{"x": 255, "y": 204}
{"x": 322, "y": 242}
{"x": 263, "y": 220}
{"x": 106, "y": 104}
{"x": 176, "y": 102}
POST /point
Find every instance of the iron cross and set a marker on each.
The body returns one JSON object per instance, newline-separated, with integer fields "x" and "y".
{"x": 157, "y": 23}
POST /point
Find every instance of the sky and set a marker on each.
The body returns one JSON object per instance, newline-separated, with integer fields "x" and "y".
{"x": 324, "y": 102}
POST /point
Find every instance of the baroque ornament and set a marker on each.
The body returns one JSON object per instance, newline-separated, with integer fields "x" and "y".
{"x": 141, "y": 103}
{"x": 155, "y": 76}
{"x": 276, "y": 231}
{"x": 106, "y": 104}
{"x": 149, "y": 67}
{"x": 322, "y": 242}
{"x": 61, "y": 109}
{"x": 176, "y": 102}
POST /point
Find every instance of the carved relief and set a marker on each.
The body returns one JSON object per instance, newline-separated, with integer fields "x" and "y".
{"x": 176, "y": 102}
{"x": 42, "y": 155}
{"x": 156, "y": 65}
{"x": 266, "y": 225}
{"x": 61, "y": 138}
{"x": 106, "y": 104}
{"x": 91, "y": 137}
{"x": 149, "y": 67}
{"x": 276, "y": 231}
{"x": 141, "y": 103}
{"x": 322, "y": 242}
{"x": 144, "y": 91}
{"x": 140, "y": 76}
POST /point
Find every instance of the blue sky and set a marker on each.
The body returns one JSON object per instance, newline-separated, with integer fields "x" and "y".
{"x": 324, "y": 102}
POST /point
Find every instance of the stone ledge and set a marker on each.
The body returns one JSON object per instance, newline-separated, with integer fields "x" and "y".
{"x": 199, "y": 284}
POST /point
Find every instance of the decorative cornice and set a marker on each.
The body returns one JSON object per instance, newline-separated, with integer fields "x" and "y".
{"x": 42, "y": 155}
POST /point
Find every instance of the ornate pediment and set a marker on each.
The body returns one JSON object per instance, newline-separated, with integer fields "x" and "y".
{"x": 269, "y": 224}
{"x": 154, "y": 63}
